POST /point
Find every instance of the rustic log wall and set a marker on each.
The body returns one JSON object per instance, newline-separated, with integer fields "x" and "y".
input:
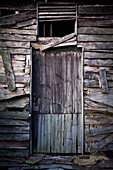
{"x": 95, "y": 33}
{"x": 16, "y": 33}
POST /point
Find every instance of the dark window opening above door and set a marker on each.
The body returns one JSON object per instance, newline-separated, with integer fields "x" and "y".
{"x": 56, "y": 29}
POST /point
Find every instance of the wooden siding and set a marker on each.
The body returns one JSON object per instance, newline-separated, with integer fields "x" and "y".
{"x": 16, "y": 32}
{"x": 95, "y": 34}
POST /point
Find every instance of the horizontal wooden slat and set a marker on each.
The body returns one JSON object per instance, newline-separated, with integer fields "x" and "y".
{"x": 14, "y": 115}
{"x": 18, "y": 37}
{"x": 14, "y": 44}
{"x": 18, "y": 51}
{"x": 95, "y": 83}
{"x": 95, "y": 62}
{"x": 94, "y": 22}
{"x": 13, "y": 145}
{"x": 14, "y": 137}
{"x": 12, "y": 129}
{"x": 97, "y": 46}
{"x": 10, "y": 122}
{"x": 14, "y": 18}
{"x": 89, "y": 38}
{"x": 14, "y": 152}
{"x": 95, "y": 30}
{"x": 17, "y": 31}
{"x": 96, "y": 55}
{"x": 23, "y": 24}
{"x": 98, "y": 10}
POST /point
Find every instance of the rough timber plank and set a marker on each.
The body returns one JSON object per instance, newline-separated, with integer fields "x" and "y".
{"x": 14, "y": 44}
{"x": 14, "y": 129}
{"x": 14, "y": 137}
{"x": 17, "y": 37}
{"x": 15, "y": 18}
{"x": 95, "y": 62}
{"x": 96, "y": 55}
{"x": 14, "y": 152}
{"x": 98, "y": 10}
{"x": 103, "y": 81}
{"x": 18, "y": 31}
{"x": 53, "y": 43}
{"x": 95, "y": 31}
{"x": 89, "y": 38}
{"x": 14, "y": 115}
{"x": 8, "y": 70}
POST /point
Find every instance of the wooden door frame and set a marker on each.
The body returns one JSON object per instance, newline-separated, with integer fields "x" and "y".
{"x": 82, "y": 104}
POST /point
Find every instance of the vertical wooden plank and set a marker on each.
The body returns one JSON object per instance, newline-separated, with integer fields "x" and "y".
{"x": 8, "y": 70}
{"x": 103, "y": 81}
{"x": 74, "y": 132}
{"x": 37, "y": 21}
{"x": 69, "y": 83}
{"x": 39, "y": 133}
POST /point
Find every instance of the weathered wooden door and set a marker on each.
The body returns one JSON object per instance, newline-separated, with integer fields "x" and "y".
{"x": 57, "y": 118}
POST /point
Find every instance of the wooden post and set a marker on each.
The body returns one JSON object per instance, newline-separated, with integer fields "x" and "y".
{"x": 37, "y": 20}
{"x": 76, "y": 22}
{"x": 8, "y": 70}
{"x": 103, "y": 81}
{"x": 82, "y": 101}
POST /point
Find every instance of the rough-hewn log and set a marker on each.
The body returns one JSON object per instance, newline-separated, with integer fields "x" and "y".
{"x": 103, "y": 81}
{"x": 8, "y": 70}
{"x": 14, "y": 129}
{"x": 18, "y": 51}
{"x": 10, "y": 122}
{"x": 13, "y": 145}
{"x": 14, "y": 18}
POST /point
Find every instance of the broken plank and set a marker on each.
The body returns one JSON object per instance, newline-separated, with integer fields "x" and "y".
{"x": 8, "y": 70}
{"x": 53, "y": 43}
{"x": 103, "y": 81}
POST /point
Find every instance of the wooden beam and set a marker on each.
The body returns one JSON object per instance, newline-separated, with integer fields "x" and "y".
{"x": 56, "y": 42}
{"x": 8, "y": 70}
{"x": 103, "y": 81}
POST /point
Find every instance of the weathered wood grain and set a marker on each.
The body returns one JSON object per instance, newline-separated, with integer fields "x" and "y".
{"x": 102, "y": 46}
{"x": 14, "y": 44}
{"x": 13, "y": 145}
{"x": 95, "y": 23}
{"x": 14, "y": 137}
{"x": 17, "y": 50}
{"x": 90, "y": 38}
{"x": 53, "y": 43}
{"x": 15, "y": 18}
{"x": 9, "y": 129}
{"x": 25, "y": 23}
{"x": 18, "y": 31}
{"x": 97, "y": 10}
{"x": 95, "y": 62}
{"x": 17, "y": 37}
{"x": 13, "y": 122}
{"x": 14, "y": 115}
{"x": 8, "y": 70}
{"x": 98, "y": 55}
{"x": 14, "y": 152}
{"x": 103, "y": 81}
{"x": 95, "y": 30}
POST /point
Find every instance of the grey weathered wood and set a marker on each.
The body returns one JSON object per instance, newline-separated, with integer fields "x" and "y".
{"x": 103, "y": 81}
{"x": 25, "y": 23}
{"x": 95, "y": 62}
{"x": 17, "y": 129}
{"x": 14, "y": 44}
{"x": 96, "y": 55}
{"x": 8, "y": 70}
{"x": 14, "y": 115}
{"x": 96, "y": 46}
{"x": 89, "y": 38}
{"x": 18, "y": 31}
{"x": 53, "y": 43}
{"x": 14, "y": 137}
{"x": 13, "y": 122}
{"x": 18, "y": 37}
{"x": 14, "y": 18}
{"x": 95, "y": 30}
{"x": 14, "y": 153}
{"x": 100, "y": 130}
{"x": 17, "y": 51}
{"x": 13, "y": 145}
{"x": 94, "y": 23}
{"x": 85, "y": 9}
